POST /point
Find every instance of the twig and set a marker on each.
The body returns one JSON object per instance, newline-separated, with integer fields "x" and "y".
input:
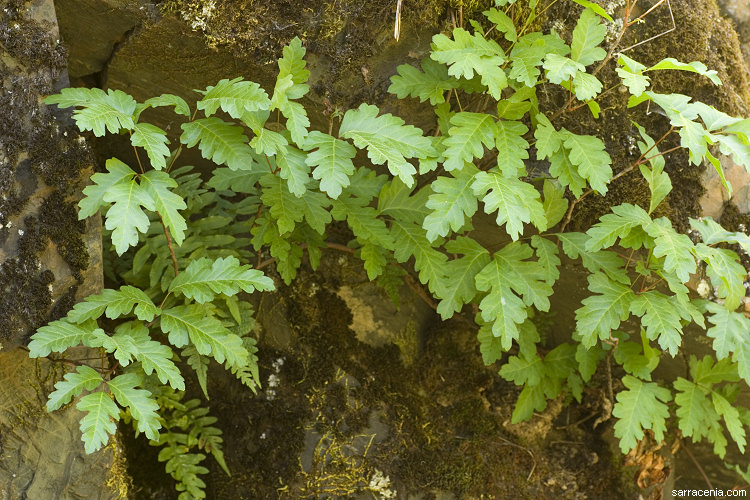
{"x": 169, "y": 244}
{"x": 524, "y": 449}
{"x": 700, "y": 469}
{"x": 420, "y": 291}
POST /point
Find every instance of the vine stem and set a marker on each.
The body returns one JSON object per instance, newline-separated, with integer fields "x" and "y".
{"x": 169, "y": 244}
{"x": 73, "y": 362}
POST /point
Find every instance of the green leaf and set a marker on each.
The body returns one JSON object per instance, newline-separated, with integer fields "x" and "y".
{"x": 140, "y": 402}
{"x": 314, "y": 210}
{"x": 117, "y": 172}
{"x": 154, "y": 141}
{"x": 387, "y": 139}
{"x": 715, "y": 119}
{"x": 548, "y": 139}
{"x": 234, "y": 97}
{"x": 429, "y": 262}
{"x": 374, "y": 259}
{"x": 587, "y": 36}
{"x": 574, "y": 245}
{"x": 713, "y": 233}
{"x": 674, "y": 247}
{"x": 617, "y": 224}
{"x": 588, "y": 359}
{"x": 725, "y": 272}
{"x": 100, "y": 419}
{"x": 366, "y": 184}
{"x": 200, "y": 365}
{"x": 527, "y": 54}
{"x": 693, "y": 137}
{"x": 332, "y": 161}
{"x": 75, "y": 382}
{"x": 363, "y": 221}
{"x": 157, "y": 184}
{"x": 635, "y": 82}
{"x": 524, "y": 371}
{"x": 596, "y": 8}
{"x": 660, "y": 318}
{"x": 204, "y": 279}
{"x": 467, "y": 54}
{"x": 729, "y": 334}
{"x": 503, "y": 23}
{"x": 180, "y": 106}
{"x": 397, "y": 201}
{"x": 267, "y": 142}
{"x": 297, "y": 121}
{"x": 460, "y": 287}
{"x": 734, "y": 146}
{"x": 102, "y": 112}
{"x": 132, "y": 341}
{"x": 530, "y": 400}
{"x": 511, "y": 147}
{"x": 693, "y": 67}
{"x": 695, "y": 414}
{"x": 602, "y": 313}
{"x": 293, "y": 62}
{"x": 183, "y": 323}
{"x": 659, "y": 182}
{"x": 587, "y": 153}
{"x": 566, "y": 172}
{"x": 466, "y": 137}
{"x": 451, "y": 203}
{"x": 509, "y": 272}
{"x": 116, "y": 303}
{"x": 546, "y": 253}
{"x": 220, "y": 142}
{"x": 586, "y": 86}
{"x": 732, "y": 419}
{"x": 285, "y": 208}
{"x": 515, "y": 201}
{"x": 125, "y": 218}
{"x": 641, "y": 406}
{"x": 432, "y": 84}
{"x": 560, "y": 68}
{"x": 630, "y": 356}
{"x": 555, "y": 205}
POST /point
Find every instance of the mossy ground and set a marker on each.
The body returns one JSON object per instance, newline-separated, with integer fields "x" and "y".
{"x": 333, "y": 411}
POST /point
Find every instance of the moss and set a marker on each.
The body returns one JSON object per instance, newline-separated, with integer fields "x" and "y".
{"x": 58, "y": 220}
{"x": 733, "y": 220}
{"x": 700, "y": 36}
{"x": 34, "y": 147}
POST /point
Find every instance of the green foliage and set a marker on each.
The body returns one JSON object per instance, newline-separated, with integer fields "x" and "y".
{"x": 186, "y": 246}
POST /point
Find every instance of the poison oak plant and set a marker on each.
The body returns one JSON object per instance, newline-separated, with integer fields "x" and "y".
{"x": 188, "y": 248}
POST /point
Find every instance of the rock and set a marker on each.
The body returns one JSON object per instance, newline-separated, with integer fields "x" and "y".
{"x": 43, "y": 455}
{"x": 48, "y": 261}
{"x": 716, "y": 195}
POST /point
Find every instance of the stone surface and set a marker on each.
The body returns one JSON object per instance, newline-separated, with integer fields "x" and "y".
{"x": 48, "y": 258}
{"x": 48, "y": 261}
{"x": 717, "y": 196}
{"x": 42, "y": 453}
